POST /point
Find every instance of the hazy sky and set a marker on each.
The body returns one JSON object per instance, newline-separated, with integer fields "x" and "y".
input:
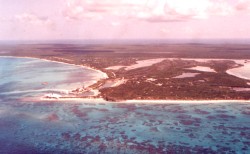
{"x": 124, "y": 19}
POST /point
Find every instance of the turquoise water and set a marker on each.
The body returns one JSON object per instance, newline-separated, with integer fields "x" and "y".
{"x": 102, "y": 127}
{"x": 34, "y": 77}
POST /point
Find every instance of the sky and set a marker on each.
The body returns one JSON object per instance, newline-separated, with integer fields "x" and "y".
{"x": 124, "y": 19}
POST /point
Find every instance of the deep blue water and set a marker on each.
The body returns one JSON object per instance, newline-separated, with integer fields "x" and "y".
{"x": 103, "y": 127}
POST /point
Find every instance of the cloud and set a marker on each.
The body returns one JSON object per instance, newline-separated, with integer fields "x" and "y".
{"x": 243, "y": 5}
{"x": 33, "y": 19}
{"x": 179, "y": 10}
{"x": 3, "y": 19}
{"x": 115, "y": 23}
{"x": 165, "y": 30}
{"x": 147, "y": 10}
{"x": 90, "y": 9}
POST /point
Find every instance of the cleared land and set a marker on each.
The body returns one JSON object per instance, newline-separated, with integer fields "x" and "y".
{"x": 160, "y": 78}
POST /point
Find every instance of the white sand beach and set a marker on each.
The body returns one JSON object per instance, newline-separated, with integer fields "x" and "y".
{"x": 183, "y": 101}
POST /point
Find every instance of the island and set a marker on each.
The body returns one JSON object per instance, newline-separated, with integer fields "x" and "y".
{"x": 185, "y": 71}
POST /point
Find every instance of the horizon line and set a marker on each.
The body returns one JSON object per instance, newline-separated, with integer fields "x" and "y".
{"x": 132, "y": 41}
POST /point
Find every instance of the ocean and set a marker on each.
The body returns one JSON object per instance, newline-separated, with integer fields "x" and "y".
{"x": 31, "y": 125}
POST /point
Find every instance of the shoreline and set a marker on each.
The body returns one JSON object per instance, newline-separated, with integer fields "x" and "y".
{"x": 94, "y": 81}
{"x": 104, "y": 75}
{"x": 151, "y": 102}
{"x": 133, "y": 101}
{"x": 185, "y": 101}
{"x": 60, "y": 62}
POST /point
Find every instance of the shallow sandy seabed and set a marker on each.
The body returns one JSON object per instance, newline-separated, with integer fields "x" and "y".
{"x": 236, "y": 71}
{"x": 241, "y": 72}
{"x": 186, "y": 75}
{"x": 139, "y": 64}
{"x": 202, "y": 69}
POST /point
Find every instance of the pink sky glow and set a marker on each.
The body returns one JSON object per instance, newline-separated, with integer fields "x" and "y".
{"x": 124, "y": 19}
